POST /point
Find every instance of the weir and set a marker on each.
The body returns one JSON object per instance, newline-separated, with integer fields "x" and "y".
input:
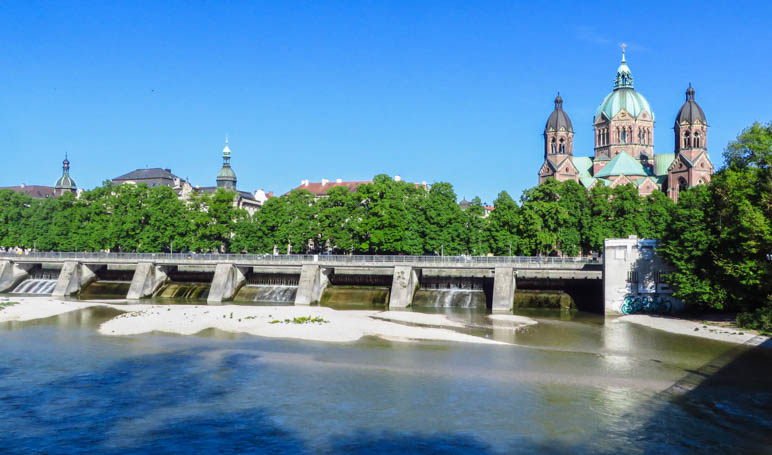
{"x": 393, "y": 281}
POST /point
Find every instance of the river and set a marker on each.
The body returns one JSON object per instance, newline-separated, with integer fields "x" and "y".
{"x": 574, "y": 383}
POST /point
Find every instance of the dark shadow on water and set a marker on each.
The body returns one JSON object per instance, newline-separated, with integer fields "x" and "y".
{"x": 723, "y": 407}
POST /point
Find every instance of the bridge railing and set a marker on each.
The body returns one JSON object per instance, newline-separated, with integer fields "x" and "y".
{"x": 298, "y": 258}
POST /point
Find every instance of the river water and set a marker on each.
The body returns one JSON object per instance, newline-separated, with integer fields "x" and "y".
{"x": 574, "y": 383}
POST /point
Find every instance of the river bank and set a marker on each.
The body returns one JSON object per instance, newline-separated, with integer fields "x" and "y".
{"x": 694, "y": 328}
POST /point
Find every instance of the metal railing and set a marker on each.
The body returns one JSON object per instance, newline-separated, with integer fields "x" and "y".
{"x": 299, "y": 259}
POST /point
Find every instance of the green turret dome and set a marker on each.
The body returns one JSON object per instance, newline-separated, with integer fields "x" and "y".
{"x": 226, "y": 178}
{"x": 624, "y": 96}
{"x": 66, "y": 182}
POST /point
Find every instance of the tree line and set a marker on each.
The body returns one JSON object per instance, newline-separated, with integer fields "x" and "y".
{"x": 382, "y": 217}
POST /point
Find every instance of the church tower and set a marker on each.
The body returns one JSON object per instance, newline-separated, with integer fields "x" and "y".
{"x": 226, "y": 178}
{"x": 624, "y": 122}
{"x": 691, "y": 165}
{"x": 558, "y": 146}
{"x": 65, "y": 182}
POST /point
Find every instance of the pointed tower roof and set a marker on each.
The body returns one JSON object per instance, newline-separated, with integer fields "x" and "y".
{"x": 690, "y": 112}
{"x": 558, "y": 120}
{"x": 65, "y": 182}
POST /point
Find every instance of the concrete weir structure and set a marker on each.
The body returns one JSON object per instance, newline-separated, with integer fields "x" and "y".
{"x": 628, "y": 266}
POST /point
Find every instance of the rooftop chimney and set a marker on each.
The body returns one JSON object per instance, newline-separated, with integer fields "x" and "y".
{"x": 397, "y": 178}
{"x": 325, "y": 182}
{"x": 338, "y": 180}
{"x": 304, "y": 182}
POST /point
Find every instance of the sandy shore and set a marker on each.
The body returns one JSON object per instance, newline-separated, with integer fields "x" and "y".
{"x": 692, "y": 328}
{"x": 296, "y": 322}
{"x": 30, "y": 308}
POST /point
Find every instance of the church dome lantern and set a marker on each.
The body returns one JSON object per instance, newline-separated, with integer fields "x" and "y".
{"x": 624, "y": 97}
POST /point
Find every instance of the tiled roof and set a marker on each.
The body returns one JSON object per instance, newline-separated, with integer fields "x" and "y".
{"x": 662, "y": 161}
{"x": 147, "y": 174}
{"x": 35, "y": 191}
{"x": 622, "y": 164}
{"x": 583, "y": 164}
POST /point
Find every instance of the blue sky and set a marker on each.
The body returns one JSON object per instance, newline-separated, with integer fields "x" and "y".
{"x": 434, "y": 91}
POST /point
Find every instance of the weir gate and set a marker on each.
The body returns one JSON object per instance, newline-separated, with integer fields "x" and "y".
{"x": 492, "y": 281}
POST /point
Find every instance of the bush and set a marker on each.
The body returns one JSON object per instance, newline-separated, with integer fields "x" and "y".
{"x": 760, "y": 319}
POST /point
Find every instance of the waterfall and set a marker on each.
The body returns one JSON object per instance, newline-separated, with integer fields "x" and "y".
{"x": 35, "y": 286}
{"x": 272, "y": 293}
{"x": 446, "y": 298}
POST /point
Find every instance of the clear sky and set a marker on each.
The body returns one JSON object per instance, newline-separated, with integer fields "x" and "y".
{"x": 434, "y": 91}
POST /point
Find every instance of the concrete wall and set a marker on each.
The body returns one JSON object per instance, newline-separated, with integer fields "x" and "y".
{"x": 403, "y": 286}
{"x": 503, "y": 289}
{"x": 12, "y": 274}
{"x": 227, "y": 281}
{"x": 147, "y": 279}
{"x": 313, "y": 281}
{"x": 632, "y": 267}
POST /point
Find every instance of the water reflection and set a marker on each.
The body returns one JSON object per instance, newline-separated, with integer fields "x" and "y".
{"x": 574, "y": 383}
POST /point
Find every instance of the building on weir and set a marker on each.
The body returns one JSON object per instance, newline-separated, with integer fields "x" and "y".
{"x": 623, "y": 128}
{"x": 65, "y": 184}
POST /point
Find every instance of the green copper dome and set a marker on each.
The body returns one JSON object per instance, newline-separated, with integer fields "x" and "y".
{"x": 226, "y": 178}
{"x": 624, "y": 96}
{"x": 226, "y": 173}
{"x": 65, "y": 182}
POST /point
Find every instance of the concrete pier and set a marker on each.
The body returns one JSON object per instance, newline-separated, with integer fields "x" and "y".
{"x": 227, "y": 281}
{"x": 147, "y": 279}
{"x": 73, "y": 277}
{"x": 503, "y": 289}
{"x": 403, "y": 286}
{"x": 313, "y": 282}
{"x": 12, "y": 273}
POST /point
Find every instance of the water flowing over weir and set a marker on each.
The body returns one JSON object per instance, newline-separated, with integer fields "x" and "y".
{"x": 35, "y": 286}
{"x": 187, "y": 285}
{"x": 40, "y": 282}
{"x": 269, "y": 288}
{"x": 446, "y": 292}
{"x": 111, "y": 283}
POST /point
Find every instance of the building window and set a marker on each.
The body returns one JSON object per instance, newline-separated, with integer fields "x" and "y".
{"x": 552, "y": 147}
{"x": 687, "y": 140}
{"x": 682, "y": 185}
{"x": 562, "y": 146}
{"x": 697, "y": 139}
{"x": 623, "y": 137}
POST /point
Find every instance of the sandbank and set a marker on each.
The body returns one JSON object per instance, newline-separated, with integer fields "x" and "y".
{"x": 438, "y": 320}
{"x": 275, "y": 322}
{"x": 30, "y": 308}
{"x": 692, "y": 328}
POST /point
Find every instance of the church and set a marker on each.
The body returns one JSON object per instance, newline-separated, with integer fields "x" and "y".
{"x": 624, "y": 144}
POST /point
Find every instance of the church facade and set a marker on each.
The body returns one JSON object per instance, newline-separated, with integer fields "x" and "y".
{"x": 624, "y": 144}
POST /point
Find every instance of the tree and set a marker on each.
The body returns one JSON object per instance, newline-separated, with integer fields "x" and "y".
{"x": 504, "y": 225}
{"x": 720, "y": 234}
